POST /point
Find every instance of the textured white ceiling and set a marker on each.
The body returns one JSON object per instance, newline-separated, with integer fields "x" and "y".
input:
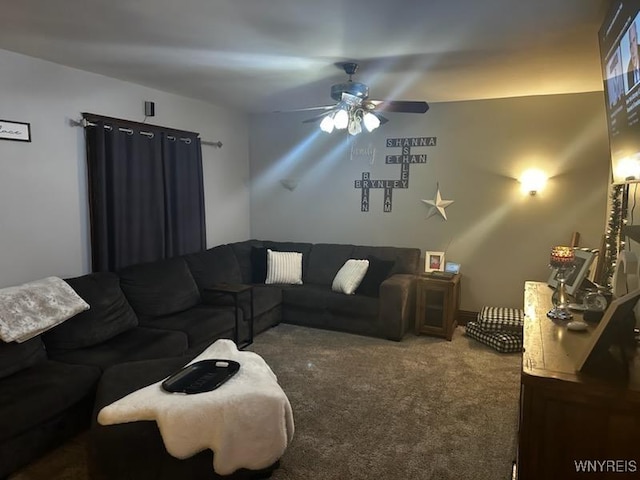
{"x": 264, "y": 55}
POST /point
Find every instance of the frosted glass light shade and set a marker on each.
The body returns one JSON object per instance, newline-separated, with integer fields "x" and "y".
{"x": 327, "y": 124}
{"x": 341, "y": 119}
{"x": 354, "y": 127}
{"x": 371, "y": 122}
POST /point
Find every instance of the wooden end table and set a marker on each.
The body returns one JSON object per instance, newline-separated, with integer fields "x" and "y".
{"x": 437, "y": 304}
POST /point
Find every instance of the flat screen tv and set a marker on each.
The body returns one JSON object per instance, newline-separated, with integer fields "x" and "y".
{"x": 620, "y": 55}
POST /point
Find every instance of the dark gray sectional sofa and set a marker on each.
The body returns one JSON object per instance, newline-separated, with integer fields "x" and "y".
{"x": 163, "y": 309}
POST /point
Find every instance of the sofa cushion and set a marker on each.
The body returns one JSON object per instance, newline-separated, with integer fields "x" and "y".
{"x": 202, "y": 324}
{"x": 55, "y": 385}
{"x": 159, "y": 288}
{"x": 137, "y": 343}
{"x": 215, "y": 265}
{"x": 302, "y": 247}
{"x": 320, "y": 298}
{"x": 242, "y": 251}
{"x": 377, "y": 273}
{"x": 265, "y": 298}
{"x": 18, "y": 356}
{"x": 354, "y": 306}
{"x": 406, "y": 260}
{"x": 258, "y": 264}
{"x": 350, "y": 276}
{"x": 325, "y": 260}
{"x": 308, "y": 296}
{"x": 110, "y": 313}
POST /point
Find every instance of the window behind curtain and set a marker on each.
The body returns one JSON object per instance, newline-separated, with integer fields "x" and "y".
{"x": 146, "y": 195}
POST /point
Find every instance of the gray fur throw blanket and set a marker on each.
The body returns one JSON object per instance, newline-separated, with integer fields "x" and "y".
{"x": 32, "y": 308}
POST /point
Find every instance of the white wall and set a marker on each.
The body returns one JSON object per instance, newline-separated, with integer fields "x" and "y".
{"x": 500, "y": 236}
{"x": 44, "y": 226}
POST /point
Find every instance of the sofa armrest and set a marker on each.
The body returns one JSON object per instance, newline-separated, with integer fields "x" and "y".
{"x": 397, "y": 305}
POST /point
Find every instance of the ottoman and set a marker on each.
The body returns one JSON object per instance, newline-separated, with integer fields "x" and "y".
{"x": 136, "y": 450}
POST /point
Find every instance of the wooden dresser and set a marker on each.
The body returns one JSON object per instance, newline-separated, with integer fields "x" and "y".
{"x": 568, "y": 417}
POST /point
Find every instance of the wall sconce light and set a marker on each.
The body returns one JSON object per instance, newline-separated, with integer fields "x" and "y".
{"x": 626, "y": 169}
{"x": 532, "y": 181}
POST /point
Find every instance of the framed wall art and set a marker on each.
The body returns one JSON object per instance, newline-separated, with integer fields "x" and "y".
{"x": 18, "y": 131}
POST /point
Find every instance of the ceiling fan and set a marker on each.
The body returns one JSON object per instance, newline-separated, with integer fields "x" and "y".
{"x": 355, "y": 108}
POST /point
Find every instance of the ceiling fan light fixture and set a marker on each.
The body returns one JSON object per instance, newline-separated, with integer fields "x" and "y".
{"x": 327, "y": 124}
{"x": 355, "y": 111}
{"x": 371, "y": 121}
{"x": 341, "y": 119}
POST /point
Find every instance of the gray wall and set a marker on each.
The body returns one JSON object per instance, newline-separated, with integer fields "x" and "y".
{"x": 43, "y": 201}
{"x": 500, "y": 236}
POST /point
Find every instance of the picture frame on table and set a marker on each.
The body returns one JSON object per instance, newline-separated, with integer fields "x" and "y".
{"x": 615, "y": 329}
{"x": 434, "y": 261}
{"x": 17, "y": 131}
{"x": 452, "y": 267}
{"x": 583, "y": 260}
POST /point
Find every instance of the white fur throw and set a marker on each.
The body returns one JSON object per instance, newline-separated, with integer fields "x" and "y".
{"x": 32, "y": 308}
{"x": 247, "y": 422}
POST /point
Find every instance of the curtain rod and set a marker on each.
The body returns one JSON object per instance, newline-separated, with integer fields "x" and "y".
{"x": 86, "y": 123}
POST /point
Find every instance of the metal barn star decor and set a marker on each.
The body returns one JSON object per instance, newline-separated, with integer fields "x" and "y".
{"x": 438, "y": 204}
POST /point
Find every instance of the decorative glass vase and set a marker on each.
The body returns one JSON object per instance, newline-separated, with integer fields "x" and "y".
{"x": 560, "y": 310}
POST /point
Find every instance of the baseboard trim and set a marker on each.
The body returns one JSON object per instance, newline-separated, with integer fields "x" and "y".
{"x": 465, "y": 316}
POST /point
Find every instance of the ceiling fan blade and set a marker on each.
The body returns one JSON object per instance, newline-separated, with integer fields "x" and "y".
{"x": 307, "y": 109}
{"x": 318, "y": 117}
{"x": 400, "y": 106}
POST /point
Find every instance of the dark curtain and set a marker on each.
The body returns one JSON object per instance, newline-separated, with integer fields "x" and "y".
{"x": 184, "y": 195}
{"x": 145, "y": 192}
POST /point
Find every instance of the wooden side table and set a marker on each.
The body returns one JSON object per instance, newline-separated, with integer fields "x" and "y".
{"x": 437, "y": 305}
{"x": 235, "y": 290}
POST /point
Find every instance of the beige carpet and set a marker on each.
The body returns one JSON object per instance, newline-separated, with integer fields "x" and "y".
{"x": 369, "y": 409}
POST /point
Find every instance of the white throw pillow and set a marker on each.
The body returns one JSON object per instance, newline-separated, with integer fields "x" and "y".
{"x": 284, "y": 267}
{"x": 349, "y": 276}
